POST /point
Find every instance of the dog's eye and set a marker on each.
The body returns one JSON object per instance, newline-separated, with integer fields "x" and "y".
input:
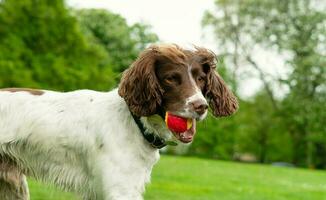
{"x": 172, "y": 79}
{"x": 169, "y": 79}
{"x": 201, "y": 79}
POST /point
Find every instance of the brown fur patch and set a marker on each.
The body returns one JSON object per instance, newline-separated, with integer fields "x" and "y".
{"x": 12, "y": 181}
{"x": 31, "y": 91}
{"x": 9, "y": 172}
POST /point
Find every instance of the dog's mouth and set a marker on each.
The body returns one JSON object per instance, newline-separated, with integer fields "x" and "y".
{"x": 188, "y": 135}
{"x": 184, "y": 129}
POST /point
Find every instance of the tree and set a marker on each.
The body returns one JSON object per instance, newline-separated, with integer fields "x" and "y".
{"x": 294, "y": 27}
{"x": 44, "y": 45}
{"x": 111, "y": 31}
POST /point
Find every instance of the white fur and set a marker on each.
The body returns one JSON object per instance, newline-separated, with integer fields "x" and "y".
{"x": 84, "y": 141}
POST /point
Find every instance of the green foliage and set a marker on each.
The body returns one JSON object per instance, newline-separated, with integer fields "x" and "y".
{"x": 112, "y": 33}
{"x": 297, "y": 121}
{"x": 43, "y": 45}
{"x": 215, "y": 138}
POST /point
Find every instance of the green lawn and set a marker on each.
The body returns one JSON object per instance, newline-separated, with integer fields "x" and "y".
{"x": 200, "y": 179}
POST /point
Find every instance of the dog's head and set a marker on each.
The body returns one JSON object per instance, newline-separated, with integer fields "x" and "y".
{"x": 182, "y": 82}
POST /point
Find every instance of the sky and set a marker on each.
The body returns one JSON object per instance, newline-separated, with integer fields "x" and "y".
{"x": 178, "y": 21}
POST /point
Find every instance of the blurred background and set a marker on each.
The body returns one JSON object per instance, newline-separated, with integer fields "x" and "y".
{"x": 272, "y": 53}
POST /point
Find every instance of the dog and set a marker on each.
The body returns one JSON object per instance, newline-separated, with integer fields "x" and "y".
{"x": 103, "y": 145}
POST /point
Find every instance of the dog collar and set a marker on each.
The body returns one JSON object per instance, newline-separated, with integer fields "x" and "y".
{"x": 153, "y": 139}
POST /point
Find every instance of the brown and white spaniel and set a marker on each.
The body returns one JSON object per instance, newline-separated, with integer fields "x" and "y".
{"x": 103, "y": 145}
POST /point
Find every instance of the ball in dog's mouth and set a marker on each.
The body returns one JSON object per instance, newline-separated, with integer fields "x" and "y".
{"x": 183, "y": 129}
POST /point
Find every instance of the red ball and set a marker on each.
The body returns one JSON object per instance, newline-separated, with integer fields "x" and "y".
{"x": 177, "y": 124}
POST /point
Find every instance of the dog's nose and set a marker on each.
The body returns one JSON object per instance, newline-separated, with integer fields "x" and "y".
{"x": 199, "y": 106}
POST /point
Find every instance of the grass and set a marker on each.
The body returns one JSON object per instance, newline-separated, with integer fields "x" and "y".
{"x": 201, "y": 179}
{"x": 40, "y": 191}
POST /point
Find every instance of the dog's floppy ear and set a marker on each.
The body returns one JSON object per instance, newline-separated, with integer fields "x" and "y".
{"x": 221, "y": 100}
{"x": 139, "y": 86}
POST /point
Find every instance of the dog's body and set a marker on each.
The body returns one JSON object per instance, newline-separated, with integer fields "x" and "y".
{"x": 59, "y": 137}
{"x": 88, "y": 141}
